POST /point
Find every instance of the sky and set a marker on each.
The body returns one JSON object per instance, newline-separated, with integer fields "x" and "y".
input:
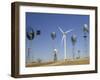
{"x": 42, "y": 45}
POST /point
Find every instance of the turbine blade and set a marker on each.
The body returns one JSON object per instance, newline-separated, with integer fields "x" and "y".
{"x": 68, "y": 31}
{"x": 61, "y": 30}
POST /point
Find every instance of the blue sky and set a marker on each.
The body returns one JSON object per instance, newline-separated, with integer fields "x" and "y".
{"x": 42, "y": 45}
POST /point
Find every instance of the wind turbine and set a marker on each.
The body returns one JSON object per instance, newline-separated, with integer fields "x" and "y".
{"x": 64, "y": 40}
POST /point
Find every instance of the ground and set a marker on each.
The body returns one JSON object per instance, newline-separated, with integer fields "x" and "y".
{"x": 59, "y": 63}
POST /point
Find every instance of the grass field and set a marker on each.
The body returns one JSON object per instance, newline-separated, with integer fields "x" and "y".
{"x": 60, "y": 63}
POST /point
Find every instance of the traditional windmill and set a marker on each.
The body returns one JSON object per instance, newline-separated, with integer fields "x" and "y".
{"x": 85, "y": 36}
{"x": 31, "y": 34}
{"x": 55, "y": 55}
{"x": 73, "y": 39}
{"x": 53, "y": 36}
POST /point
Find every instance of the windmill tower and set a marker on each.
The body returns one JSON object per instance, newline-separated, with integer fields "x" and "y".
{"x": 64, "y": 40}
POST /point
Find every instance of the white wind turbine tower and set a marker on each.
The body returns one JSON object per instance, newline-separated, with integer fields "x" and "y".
{"x": 64, "y": 39}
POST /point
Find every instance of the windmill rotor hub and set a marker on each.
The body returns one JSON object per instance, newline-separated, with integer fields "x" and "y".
{"x": 64, "y": 33}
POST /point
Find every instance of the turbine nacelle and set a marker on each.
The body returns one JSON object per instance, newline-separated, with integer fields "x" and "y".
{"x": 64, "y": 33}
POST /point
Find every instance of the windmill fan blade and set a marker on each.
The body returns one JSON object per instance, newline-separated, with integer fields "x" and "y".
{"x": 61, "y": 30}
{"x": 69, "y": 31}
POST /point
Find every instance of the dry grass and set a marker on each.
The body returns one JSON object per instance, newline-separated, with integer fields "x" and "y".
{"x": 60, "y": 63}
